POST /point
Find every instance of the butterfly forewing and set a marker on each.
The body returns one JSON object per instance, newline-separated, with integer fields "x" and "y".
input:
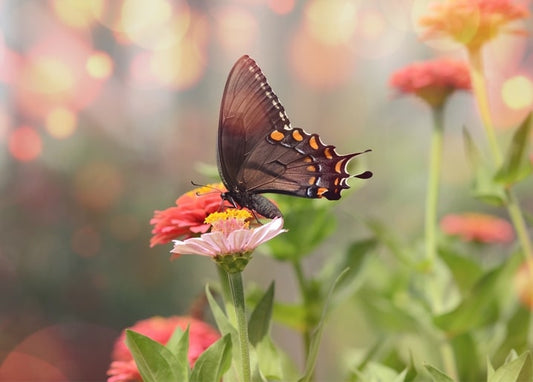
{"x": 259, "y": 151}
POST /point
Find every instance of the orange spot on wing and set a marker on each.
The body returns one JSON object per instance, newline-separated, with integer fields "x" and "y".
{"x": 311, "y": 168}
{"x": 312, "y": 180}
{"x": 297, "y": 136}
{"x": 339, "y": 166}
{"x": 321, "y": 191}
{"x": 308, "y": 159}
{"x": 277, "y": 135}
{"x": 313, "y": 143}
{"x": 328, "y": 153}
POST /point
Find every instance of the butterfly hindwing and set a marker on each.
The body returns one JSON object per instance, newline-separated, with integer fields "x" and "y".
{"x": 259, "y": 151}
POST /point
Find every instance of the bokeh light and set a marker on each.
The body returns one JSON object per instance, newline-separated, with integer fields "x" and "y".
{"x": 281, "y": 7}
{"x": 156, "y": 24}
{"x": 319, "y": 65}
{"x": 517, "y": 92}
{"x": 61, "y": 122}
{"x": 25, "y": 144}
{"x": 236, "y": 29}
{"x": 331, "y": 22}
{"x": 78, "y": 13}
{"x": 99, "y": 65}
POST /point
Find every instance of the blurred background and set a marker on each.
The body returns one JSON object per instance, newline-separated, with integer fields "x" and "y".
{"x": 109, "y": 109}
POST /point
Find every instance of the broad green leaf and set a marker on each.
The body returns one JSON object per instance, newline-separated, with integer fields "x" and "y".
{"x": 213, "y": 362}
{"x": 465, "y": 351}
{"x": 316, "y": 336}
{"x": 376, "y": 372}
{"x": 353, "y": 260}
{"x": 221, "y": 319}
{"x": 520, "y": 369}
{"x": 155, "y": 362}
{"x": 481, "y": 306}
{"x": 517, "y": 332}
{"x": 259, "y": 322}
{"x": 302, "y": 237}
{"x": 484, "y": 187}
{"x": 437, "y": 375}
{"x": 465, "y": 271}
{"x": 290, "y": 315}
{"x": 178, "y": 344}
{"x": 517, "y": 164}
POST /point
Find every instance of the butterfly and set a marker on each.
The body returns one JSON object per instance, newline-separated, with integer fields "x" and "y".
{"x": 259, "y": 152}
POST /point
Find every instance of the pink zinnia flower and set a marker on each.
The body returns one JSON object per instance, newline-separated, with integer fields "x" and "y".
{"x": 433, "y": 81}
{"x": 478, "y": 227}
{"x": 160, "y": 329}
{"x": 230, "y": 236}
{"x": 472, "y": 22}
{"x": 187, "y": 218}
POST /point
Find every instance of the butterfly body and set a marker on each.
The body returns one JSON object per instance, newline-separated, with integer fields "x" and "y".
{"x": 260, "y": 152}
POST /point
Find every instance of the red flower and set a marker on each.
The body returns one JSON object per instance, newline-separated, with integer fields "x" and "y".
{"x": 160, "y": 329}
{"x": 433, "y": 81}
{"x": 187, "y": 218}
{"x": 471, "y": 22}
{"x": 478, "y": 227}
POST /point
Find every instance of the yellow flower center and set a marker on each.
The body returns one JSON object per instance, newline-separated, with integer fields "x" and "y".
{"x": 229, "y": 220}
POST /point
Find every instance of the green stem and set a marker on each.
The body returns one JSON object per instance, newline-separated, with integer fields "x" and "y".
{"x": 227, "y": 294}
{"x": 433, "y": 185}
{"x": 302, "y": 283}
{"x": 237, "y": 292}
{"x": 480, "y": 92}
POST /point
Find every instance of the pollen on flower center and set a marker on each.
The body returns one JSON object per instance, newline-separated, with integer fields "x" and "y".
{"x": 228, "y": 221}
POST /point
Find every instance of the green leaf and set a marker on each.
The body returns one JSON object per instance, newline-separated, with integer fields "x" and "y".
{"x": 178, "y": 344}
{"x": 466, "y": 357}
{"x": 517, "y": 164}
{"x": 352, "y": 260}
{"x": 484, "y": 187}
{"x": 316, "y": 336}
{"x": 465, "y": 271}
{"x": 437, "y": 375}
{"x": 155, "y": 362}
{"x": 519, "y": 369}
{"x": 213, "y": 362}
{"x": 481, "y": 306}
{"x": 223, "y": 324}
{"x": 302, "y": 237}
{"x": 259, "y": 322}
{"x": 517, "y": 332}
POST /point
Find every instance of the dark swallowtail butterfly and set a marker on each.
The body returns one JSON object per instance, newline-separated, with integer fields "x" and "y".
{"x": 259, "y": 151}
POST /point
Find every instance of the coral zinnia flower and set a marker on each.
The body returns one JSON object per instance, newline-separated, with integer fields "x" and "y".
{"x": 187, "y": 218}
{"x": 433, "y": 81}
{"x": 478, "y": 227}
{"x": 471, "y": 22}
{"x": 160, "y": 329}
{"x": 230, "y": 236}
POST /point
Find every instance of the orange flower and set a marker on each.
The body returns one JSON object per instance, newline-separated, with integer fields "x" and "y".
{"x": 478, "y": 227}
{"x": 187, "y": 218}
{"x": 524, "y": 283}
{"x": 472, "y": 22}
{"x": 160, "y": 329}
{"x": 433, "y": 81}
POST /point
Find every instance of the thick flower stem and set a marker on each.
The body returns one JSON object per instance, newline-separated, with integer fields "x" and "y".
{"x": 226, "y": 294}
{"x": 513, "y": 207}
{"x": 433, "y": 185}
{"x": 237, "y": 293}
{"x": 480, "y": 93}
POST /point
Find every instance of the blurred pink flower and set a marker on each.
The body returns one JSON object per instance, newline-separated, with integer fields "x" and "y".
{"x": 187, "y": 218}
{"x": 472, "y": 22}
{"x": 230, "y": 235}
{"x": 160, "y": 329}
{"x": 524, "y": 283}
{"x": 478, "y": 227}
{"x": 433, "y": 81}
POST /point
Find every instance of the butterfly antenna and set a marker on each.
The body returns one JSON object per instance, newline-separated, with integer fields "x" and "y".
{"x": 215, "y": 190}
